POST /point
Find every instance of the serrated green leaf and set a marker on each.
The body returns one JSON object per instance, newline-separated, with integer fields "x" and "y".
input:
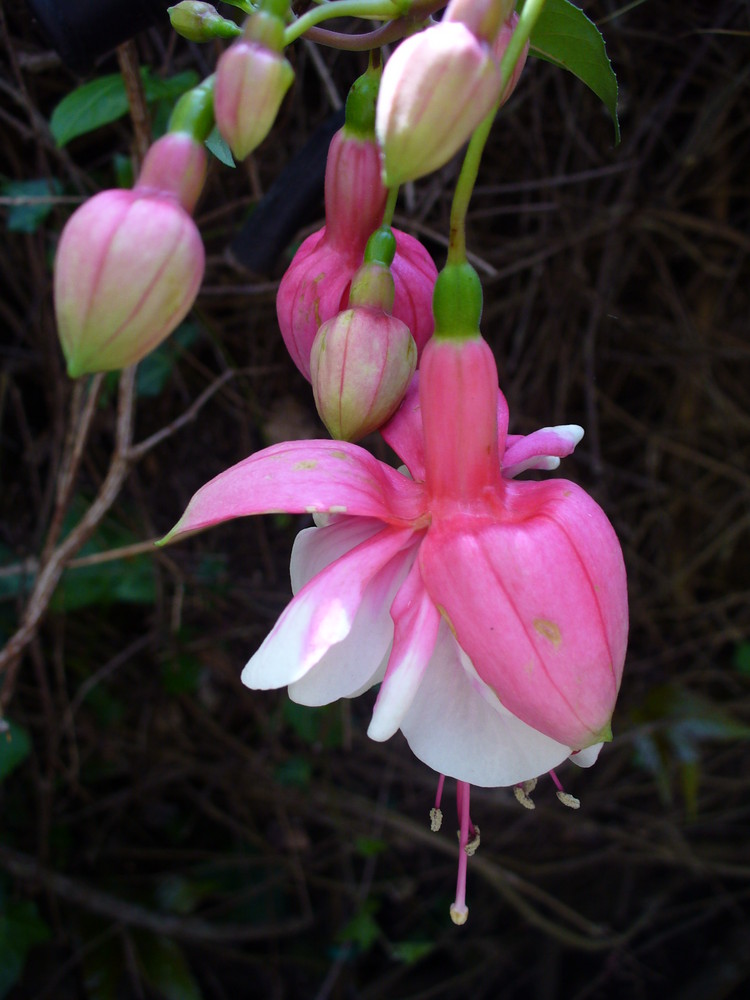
{"x": 27, "y": 217}
{"x": 104, "y": 100}
{"x": 216, "y": 145}
{"x": 565, "y": 37}
{"x": 15, "y": 746}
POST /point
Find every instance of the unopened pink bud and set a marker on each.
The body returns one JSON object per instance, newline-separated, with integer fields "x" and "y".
{"x": 252, "y": 78}
{"x": 316, "y": 285}
{"x": 361, "y": 363}
{"x": 175, "y": 164}
{"x": 129, "y": 263}
{"x": 482, "y": 17}
{"x": 499, "y": 46}
{"x": 436, "y": 88}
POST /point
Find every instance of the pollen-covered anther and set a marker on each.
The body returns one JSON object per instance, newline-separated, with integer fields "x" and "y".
{"x": 523, "y": 791}
{"x": 436, "y": 819}
{"x": 473, "y": 845}
{"x": 569, "y": 800}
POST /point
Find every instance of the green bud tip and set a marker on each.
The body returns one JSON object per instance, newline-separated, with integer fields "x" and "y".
{"x": 381, "y": 247}
{"x": 360, "y": 104}
{"x": 457, "y": 302}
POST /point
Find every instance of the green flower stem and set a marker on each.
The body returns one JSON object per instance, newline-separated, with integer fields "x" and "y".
{"x": 384, "y": 10}
{"x": 194, "y": 112}
{"x": 470, "y": 168}
{"x": 390, "y": 206}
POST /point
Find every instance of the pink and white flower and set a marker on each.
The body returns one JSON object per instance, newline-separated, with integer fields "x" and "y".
{"x": 492, "y": 612}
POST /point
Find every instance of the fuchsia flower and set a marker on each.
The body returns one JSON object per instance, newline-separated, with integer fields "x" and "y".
{"x": 129, "y": 263}
{"x": 316, "y": 285}
{"x": 492, "y": 612}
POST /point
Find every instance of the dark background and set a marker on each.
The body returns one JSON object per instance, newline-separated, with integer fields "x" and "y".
{"x": 168, "y": 833}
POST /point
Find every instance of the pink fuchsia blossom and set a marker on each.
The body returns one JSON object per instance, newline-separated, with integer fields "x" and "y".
{"x": 316, "y": 285}
{"x": 492, "y": 612}
{"x": 129, "y": 263}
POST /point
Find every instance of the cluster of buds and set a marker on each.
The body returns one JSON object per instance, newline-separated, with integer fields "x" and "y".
{"x": 316, "y": 286}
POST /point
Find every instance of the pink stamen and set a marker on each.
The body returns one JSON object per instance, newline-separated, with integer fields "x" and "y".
{"x": 439, "y": 792}
{"x": 459, "y": 909}
{"x": 556, "y": 780}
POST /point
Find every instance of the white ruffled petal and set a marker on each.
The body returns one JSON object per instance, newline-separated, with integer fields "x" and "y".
{"x": 357, "y": 662}
{"x": 587, "y": 756}
{"x": 316, "y": 548}
{"x": 323, "y": 612}
{"x": 457, "y": 726}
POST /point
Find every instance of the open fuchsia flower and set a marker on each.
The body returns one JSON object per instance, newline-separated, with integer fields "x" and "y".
{"x": 316, "y": 285}
{"x": 492, "y": 612}
{"x": 440, "y": 84}
{"x": 129, "y": 263}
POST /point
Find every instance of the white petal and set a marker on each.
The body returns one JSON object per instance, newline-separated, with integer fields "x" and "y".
{"x": 587, "y": 756}
{"x": 416, "y": 627}
{"x": 457, "y": 726}
{"x": 357, "y": 662}
{"x": 323, "y": 612}
{"x": 316, "y": 548}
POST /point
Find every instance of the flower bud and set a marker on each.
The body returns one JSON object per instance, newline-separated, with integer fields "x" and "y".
{"x": 437, "y": 87}
{"x": 361, "y": 363}
{"x": 252, "y": 78}
{"x": 200, "y": 22}
{"x": 499, "y": 45}
{"x": 129, "y": 263}
{"x": 316, "y": 285}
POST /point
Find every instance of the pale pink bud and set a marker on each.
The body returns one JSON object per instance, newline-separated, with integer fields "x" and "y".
{"x": 129, "y": 263}
{"x": 361, "y": 363}
{"x": 252, "y": 78}
{"x": 482, "y": 17}
{"x": 436, "y": 88}
{"x": 499, "y": 46}
{"x": 316, "y": 285}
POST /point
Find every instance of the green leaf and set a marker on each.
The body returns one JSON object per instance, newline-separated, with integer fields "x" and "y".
{"x": 103, "y": 101}
{"x": 155, "y": 369}
{"x": 410, "y": 952}
{"x": 27, "y": 217}
{"x": 216, "y": 144}
{"x": 368, "y": 847}
{"x": 363, "y": 929}
{"x": 295, "y": 772}
{"x": 741, "y": 659}
{"x": 163, "y": 966}
{"x": 565, "y": 37}
{"x": 181, "y": 674}
{"x": 15, "y": 747}
{"x": 21, "y": 928}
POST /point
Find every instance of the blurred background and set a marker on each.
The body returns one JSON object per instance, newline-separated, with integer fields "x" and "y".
{"x": 166, "y": 833}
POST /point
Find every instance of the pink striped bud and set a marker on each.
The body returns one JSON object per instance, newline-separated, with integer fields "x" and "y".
{"x": 129, "y": 263}
{"x": 252, "y": 78}
{"x": 316, "y": 285}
